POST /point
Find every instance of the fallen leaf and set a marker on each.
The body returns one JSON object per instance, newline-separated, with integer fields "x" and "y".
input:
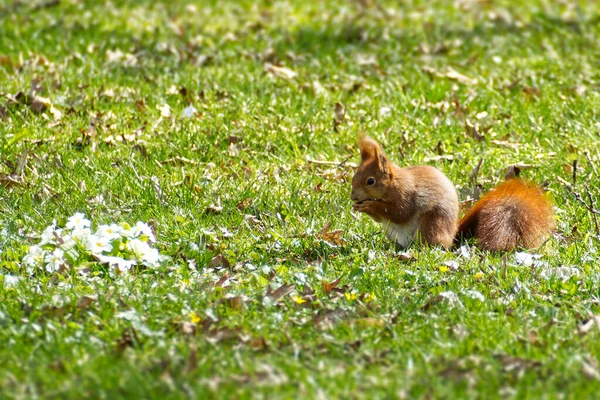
{"x": 447, "y": 157}
{"x": 584, "y": 329}
{"x": 334, "y": 237}
{"x": 40, "y": 104}
{"x": 214, "y": 209}
{"x": 505, "y": 144}
{"x": 219, "y": 261}
{"x": 191, "y": 363}
{"x": 405, "y": 256}
{"x": 244, "y": 204}
{"x": 451, "y": 74}
{"x": 532, "y": 91}
{"x": 473, "y": 131}
{"x": 281, "y": 72}
{"x": 281, "y": 292}
{"x": 328, "y": 287}
{"x": 520, "y": 365}
{"x": 340, "y": 115}
{"x": 178, "y": 160}
{"x": 454, "y": 75}
{"x": 85, "y": 301}
{"x": 589, "y": 368}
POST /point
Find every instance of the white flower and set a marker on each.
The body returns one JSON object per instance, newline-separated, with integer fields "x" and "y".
{"x": 189, "y": 112}
{"x": 452, "y": 299}
{"x": 136, "y": 231}
{"x": 81, "y": 234}
{"x": 128, "y": 231}
{"x": 474, "y": 294}
{"x": 120, "y": 263}
{"x": 78, "y": 221}
{"x": 563, "y": 272}
{"x": 165, "y": 111}
{"x": 144, "y": 252}
{"x": 152, "y": 258}
{"x": 139, "y": 248}
{"x": 98, "y": 244}
{"x": 34, "y": 257}
{"x": 112, "y": 231}
{"x": 144, "y": 229}
{"x": 11, "y": 281}
{"x": 48, "y": 235}
{"x": 68, "y": 243}
{"x": 54, "y": 260}
{"x": 463, "y": 252}
{"x": 528, "y": 260}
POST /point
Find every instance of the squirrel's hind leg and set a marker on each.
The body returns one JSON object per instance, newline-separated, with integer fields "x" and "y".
{"x": 436, "y": 228}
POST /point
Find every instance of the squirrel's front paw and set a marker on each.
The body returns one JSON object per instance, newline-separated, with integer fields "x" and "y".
{"x": 366, "y": 206}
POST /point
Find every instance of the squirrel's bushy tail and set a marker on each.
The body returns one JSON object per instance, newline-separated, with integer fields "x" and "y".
{"x": 514, "y": 214}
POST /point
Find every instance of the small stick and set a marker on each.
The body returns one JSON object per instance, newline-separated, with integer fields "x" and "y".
{"x": 587, "y": 189}
{"x": 579, "y": 198}
{"x": 587, "y": 155}
{"x": 574, "y": 172}
{"x": 336, "y": 163}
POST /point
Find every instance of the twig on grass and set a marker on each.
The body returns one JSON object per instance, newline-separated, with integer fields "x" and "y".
{"x": 590, "y": 207}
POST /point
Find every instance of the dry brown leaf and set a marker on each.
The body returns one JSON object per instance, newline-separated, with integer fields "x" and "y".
{"x": 86, "y": 301}
{"x": 584, "y": 329}
{"x": 340, "y": 115}
{"x": 473, "y": 131}
{"x": 281, "y": 292}
{"x": 219, "y": 261}
{"x": 191, "y": 364}
{"x": 368, "y": 322}
{"x": 452, "y": 75}
{"x": 456, "y": 76}
{"x": 281, "y": 72}
{"x": 178, "y": 160}
{"x": 328, "y": 287}
{"x": 40, "y": 104}
{"x": 11, "y": 180}
{"x": 532, "y": 91}
{"x": 447, "y": 157}
{"x": 214, "y": 209}
{"x": 334, "y": 237}
{"x": 590, "y": 368}
{"x": 518, "y": 364}
{"x": 242, "y": 205}
{"x": 475, "y": 171}
{"x": 188, "y": 328}
{"x": 405, "y": 256}
{"x": 506, "y": 144}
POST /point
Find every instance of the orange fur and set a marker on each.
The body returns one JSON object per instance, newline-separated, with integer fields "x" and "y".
{"x": 409, "y": 202}
{"x": 514, "y": 214}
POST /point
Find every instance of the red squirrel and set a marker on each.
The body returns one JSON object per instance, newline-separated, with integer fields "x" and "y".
{"x": 420, "y": 203}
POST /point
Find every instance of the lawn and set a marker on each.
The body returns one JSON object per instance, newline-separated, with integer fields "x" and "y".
{"x": 229, "y": 129}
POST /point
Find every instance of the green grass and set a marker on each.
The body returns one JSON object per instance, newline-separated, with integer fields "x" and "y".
{"x": 531, "y": 86}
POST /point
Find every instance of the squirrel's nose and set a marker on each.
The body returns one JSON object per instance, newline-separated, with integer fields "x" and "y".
{"x": 353, "y": 196}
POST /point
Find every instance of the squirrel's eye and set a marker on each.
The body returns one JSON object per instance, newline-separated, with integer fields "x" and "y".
{"x": 371, "y": 181}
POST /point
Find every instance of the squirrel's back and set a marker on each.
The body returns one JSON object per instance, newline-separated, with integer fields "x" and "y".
{"x": 514, "y": 214}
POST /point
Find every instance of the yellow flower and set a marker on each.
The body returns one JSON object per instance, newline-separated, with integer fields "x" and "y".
{"x": 195, "y": 318}
{"x": 369, "y": 297}
{"x": 479, "y": 275}
{"x": 443, "y": 268}
{"x": 299, "y": 300}
{"x": 350, "y": 296}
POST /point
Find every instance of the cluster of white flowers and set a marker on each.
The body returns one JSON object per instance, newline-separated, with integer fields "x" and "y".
{"x": 121, "y": 246}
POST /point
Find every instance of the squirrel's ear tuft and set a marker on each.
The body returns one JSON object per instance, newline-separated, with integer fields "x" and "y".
{"x": 369, "y": 149}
